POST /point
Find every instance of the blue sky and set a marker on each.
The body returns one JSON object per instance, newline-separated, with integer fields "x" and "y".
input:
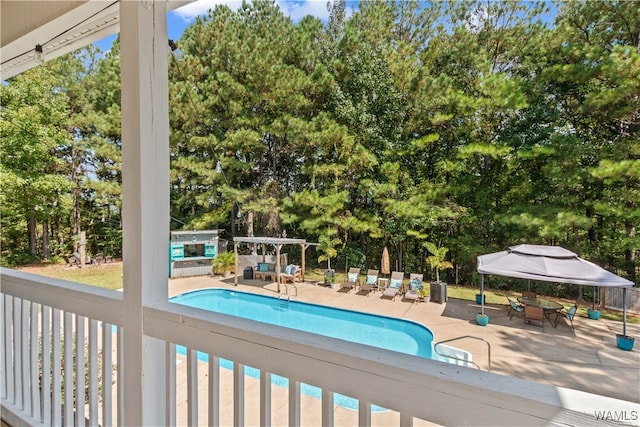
{"x": 179, "y": 19}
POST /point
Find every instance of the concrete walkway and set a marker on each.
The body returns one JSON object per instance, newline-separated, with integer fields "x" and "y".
{"x": 586, "y": 359}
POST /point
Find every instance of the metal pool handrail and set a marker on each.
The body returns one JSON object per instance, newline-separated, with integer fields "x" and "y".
{"x": 435, "y": 348}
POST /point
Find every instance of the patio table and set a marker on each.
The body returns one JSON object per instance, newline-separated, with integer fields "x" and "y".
{"x": 382, "y": 284}
{"x": 549, "y": 307}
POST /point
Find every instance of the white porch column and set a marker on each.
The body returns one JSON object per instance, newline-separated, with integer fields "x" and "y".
{"x": 145, "y": 193}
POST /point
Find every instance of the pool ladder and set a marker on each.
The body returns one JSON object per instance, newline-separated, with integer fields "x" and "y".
{"x": 435, "y": 348}
{"x": 286, "y": 291}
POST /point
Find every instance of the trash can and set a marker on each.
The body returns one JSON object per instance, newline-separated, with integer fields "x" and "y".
{"x": 438, "y": 292}
{"x": 248, "y": 273}
{"x": 329, "y": 277}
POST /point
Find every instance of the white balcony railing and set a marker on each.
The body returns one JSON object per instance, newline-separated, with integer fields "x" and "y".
{"x": 62, "y": 356}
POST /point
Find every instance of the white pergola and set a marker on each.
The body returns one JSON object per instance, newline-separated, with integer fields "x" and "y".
{"x": 278, "y": 243}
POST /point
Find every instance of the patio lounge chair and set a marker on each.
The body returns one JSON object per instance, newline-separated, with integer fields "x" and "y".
{"x": 371, "y": 282}
{"x": 514, "y": 307}
{"x": 291, "y": 274}
{"x": 567, "y": 314}
{"x": 395, "y": 285}
{"x": 352, "y": 279}
{"x": 533, "y": 313}
{"x": 415, "y": 286}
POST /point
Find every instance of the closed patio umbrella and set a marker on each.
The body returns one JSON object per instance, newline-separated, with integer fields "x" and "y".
{"x": 384, "y": 262}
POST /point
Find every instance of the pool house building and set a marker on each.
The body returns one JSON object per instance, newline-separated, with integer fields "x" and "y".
{"x": 191, "y": 252}
{"x": 116, "y": 352}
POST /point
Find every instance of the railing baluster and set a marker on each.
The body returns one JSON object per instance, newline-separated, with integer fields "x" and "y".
{"x": 11, "y": 353}
{"x": 26, "y": 357}
{"x": 364, "y": 414}
{"x": 327, "y": 408}
{"x": 56, "y": 369}
{"x": 68, "y": 369}
{"x": 107, "y": 374}
{"x": 192, "y": 387}
{"x": 46, "y": 365}
{"x": 7, "y": 361}
{"x": 238, "y": 394}
{"x": 294, "y": 402}
{"x": 80, "y": 385}
{"x": 35, "y": 354}
{"x": 3, "y": 345}
{"x": 120, "y": 376}
{"x": 405, "y": 420}
{"x": 93, "y": 373}
{"x": 265, "y": 398}
{"x": 171, "y": 384}
{"x": 17, "y": 352}
{"x": 214, "y": 391}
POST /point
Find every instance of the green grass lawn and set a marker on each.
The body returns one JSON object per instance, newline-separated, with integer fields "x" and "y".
{"x": 109, "y": 276}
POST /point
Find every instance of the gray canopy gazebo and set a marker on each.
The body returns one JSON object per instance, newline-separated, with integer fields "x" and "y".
{"x": 550, "y": 264}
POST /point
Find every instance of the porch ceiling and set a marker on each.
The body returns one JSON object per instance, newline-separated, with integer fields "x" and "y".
{"x": 59, "y": 26}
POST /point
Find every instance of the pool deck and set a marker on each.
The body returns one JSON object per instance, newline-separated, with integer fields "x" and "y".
{"x": 586, "y": 359}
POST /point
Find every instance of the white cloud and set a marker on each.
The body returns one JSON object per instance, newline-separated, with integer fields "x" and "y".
{"x": 299, "y": 9}
{"x": 294, "y": 9}
{"x": 201, "y": 7}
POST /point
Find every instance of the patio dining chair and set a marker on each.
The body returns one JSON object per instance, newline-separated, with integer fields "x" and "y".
{"x": 533, "y": 313}
{"x": 529, "y": 294}
{"x": 567, "y": 314}
{"x": 514, "y": 307}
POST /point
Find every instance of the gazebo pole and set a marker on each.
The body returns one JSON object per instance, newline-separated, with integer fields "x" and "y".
{"x": 303, "y": 248}
{"x": 624, "y": 312}
{"x": 235, "y": 258}
{"x": 482, "y": 294}
{"x": 278, "y": 265}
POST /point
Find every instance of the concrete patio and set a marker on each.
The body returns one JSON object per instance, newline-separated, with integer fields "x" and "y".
{"x": 586, "y": 359}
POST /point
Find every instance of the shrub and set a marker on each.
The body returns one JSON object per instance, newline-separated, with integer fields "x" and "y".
{"x": 223, "y": 263}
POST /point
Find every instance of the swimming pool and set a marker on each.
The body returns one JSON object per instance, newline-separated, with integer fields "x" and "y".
{"x": 363, "y": 328}
{"x": 379, "y": 331}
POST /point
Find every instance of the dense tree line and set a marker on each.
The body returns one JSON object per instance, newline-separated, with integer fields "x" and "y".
{"x": 475, "y": 125}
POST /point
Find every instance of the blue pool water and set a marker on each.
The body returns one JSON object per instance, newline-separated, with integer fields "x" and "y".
{"x": 363, "y": 328}
{"x": 379, "y": 331}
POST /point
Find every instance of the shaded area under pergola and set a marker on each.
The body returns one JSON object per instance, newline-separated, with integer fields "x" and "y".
{"x": 278, "y": 243}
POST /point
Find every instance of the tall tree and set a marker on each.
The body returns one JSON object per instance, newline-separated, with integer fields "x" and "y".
{"x": 33, "y": 122}
{"x": 594, "y": 76}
